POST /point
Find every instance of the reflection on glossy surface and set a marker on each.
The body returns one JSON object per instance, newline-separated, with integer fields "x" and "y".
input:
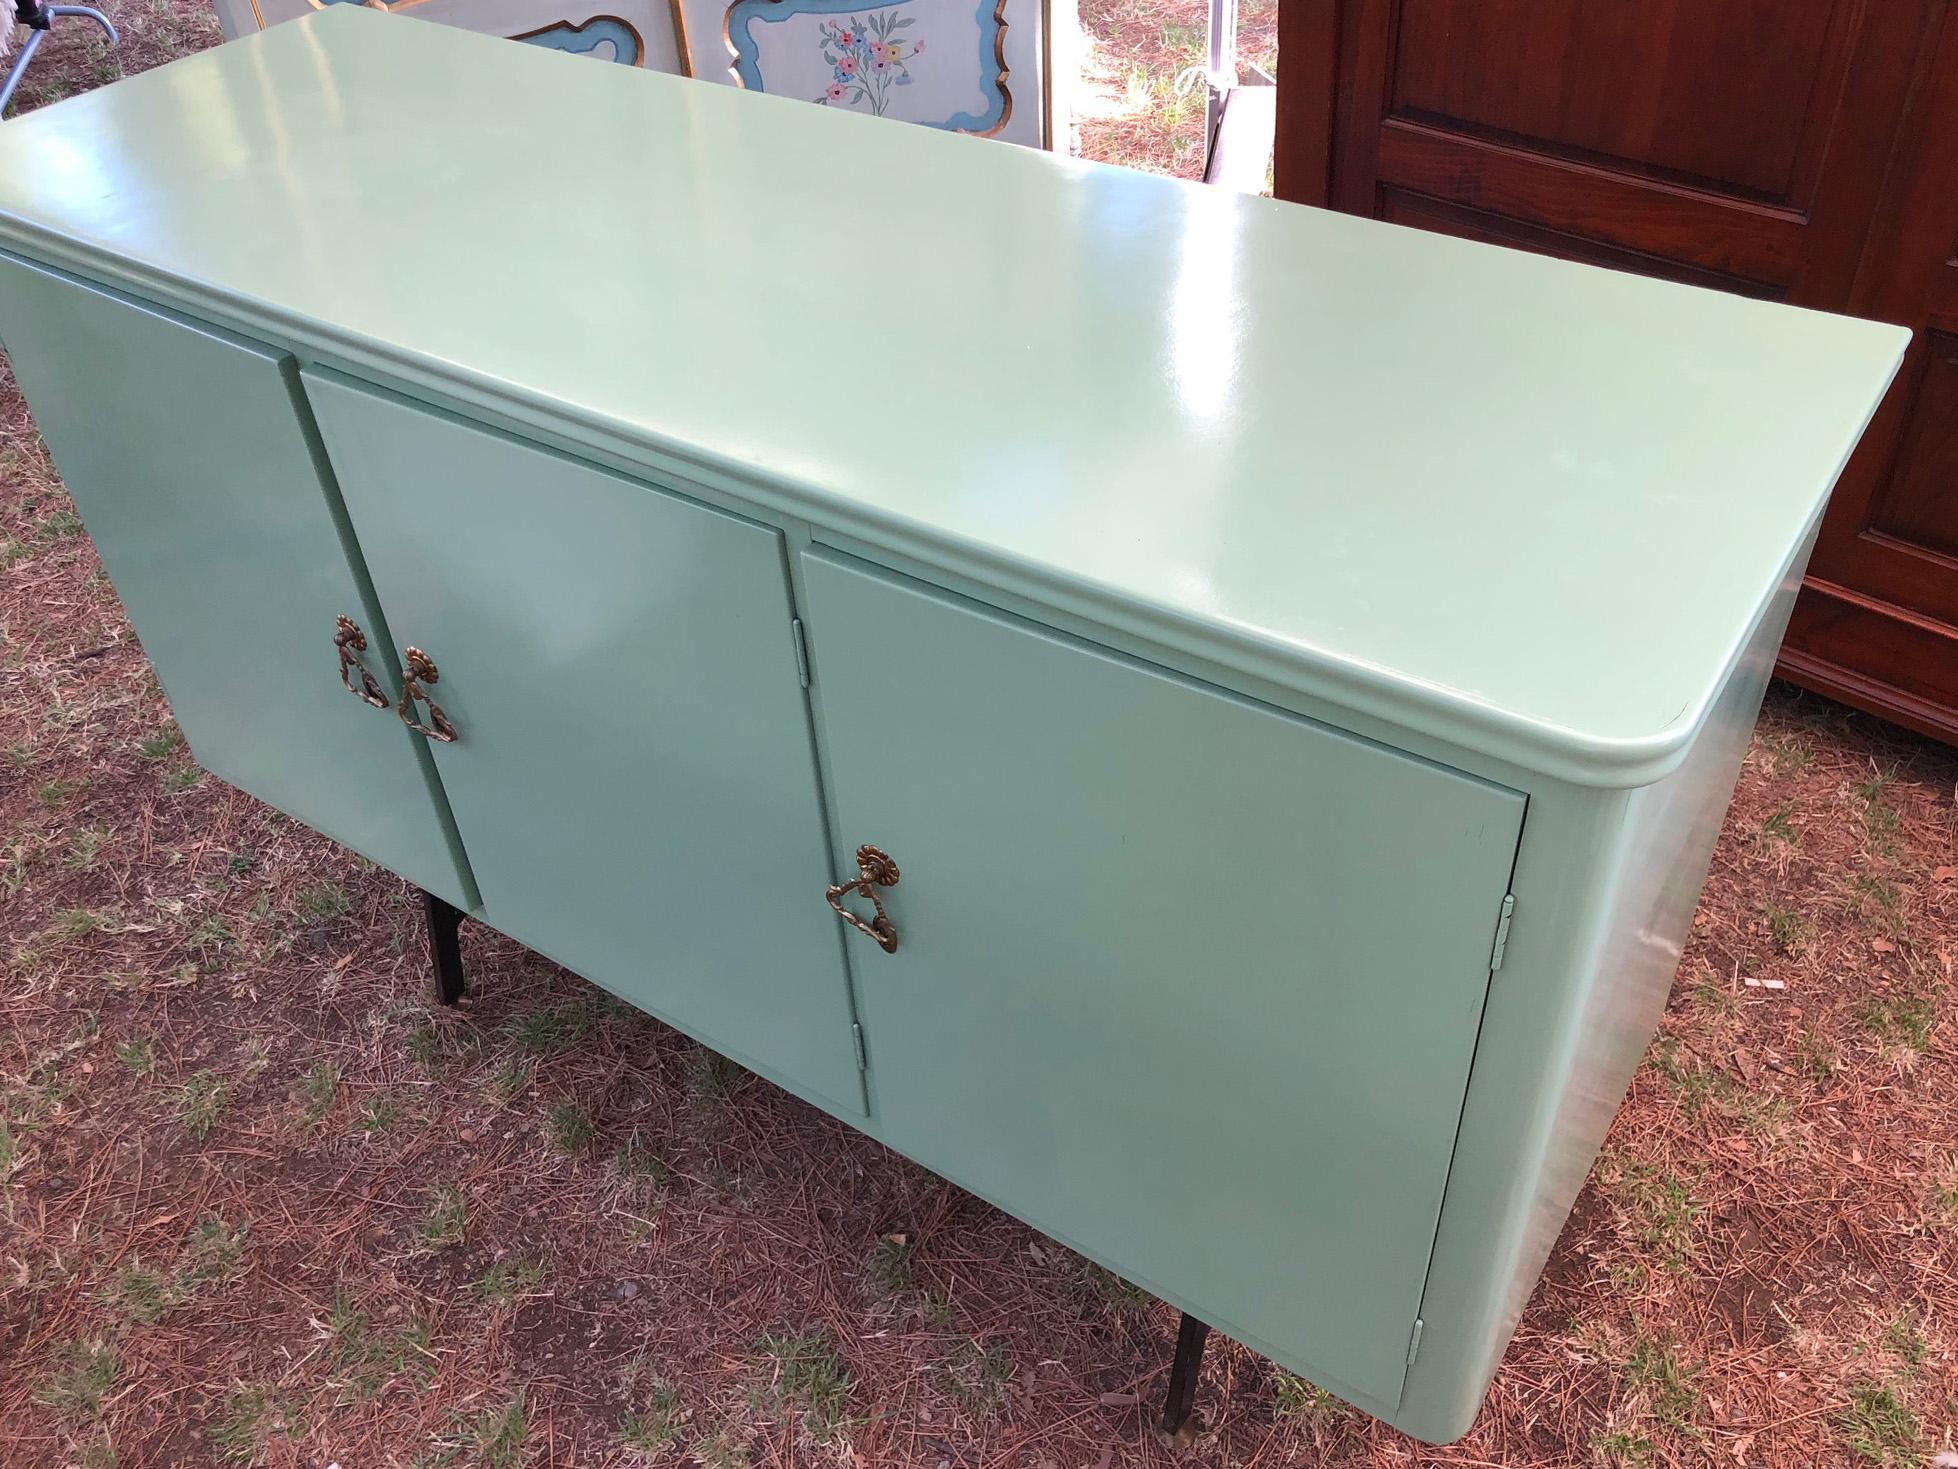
{"x": 1525, "y": 506}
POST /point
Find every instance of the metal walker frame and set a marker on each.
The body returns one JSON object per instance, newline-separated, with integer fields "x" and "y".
{"x": 38, "y": 18}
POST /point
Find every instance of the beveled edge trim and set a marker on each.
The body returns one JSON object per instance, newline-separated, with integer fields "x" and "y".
{"x": 1452, "y": 716}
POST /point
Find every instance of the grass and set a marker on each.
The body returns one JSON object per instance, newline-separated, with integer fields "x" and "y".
{"x": 251, "y": 1414}
{"x": 1623, "y": 1449}
{"x": 495, "y": 1437}
{"x": 364, "y": 1360}
{"x": 322, "y": 902}
{"x": 140, "y": 1293}
{"x": 888, "y": 1271}
{"x": 653, "y": 1426}
{"x": 508, "y": 1281}
{"x": 214, "y": 1249}
{"x": 977, "y": 1377}
{"x": 85, "y": 846}
{"x": 182, "y": 778}
{"x": 1656, "y": 1375}
{"x": 378, "y": 1115}
{"x": 447, "y": 1220}
{"x": 570, "y": 1127}
{"x": 201, "y": 1102}
{"x": 1904, "y": 1020}
{"x": 804, "y": 1372}
{"x": 1107, "y": 1286}
{"x": 1878, "y": 1428}
{"x": 711, "y": 1078}
{"x": 1779, "y": 827}
{"x": 639, "y": 1162}
{"x": 166, "y": 741}
{"x": 317, "y": 1089}
{"x": 70, "y": 924}
{"x": 1881, "y": 824}
{"x": 550, "y": 1031}
{"x": 1294, "y": 1397}
{"x": 137, "y": 1054}
{"x": 1878, "y": 903}
{"x": 144, "y": 1294}
{"x": 81, "y": 1375}
{"x": 1789, "y": 930}
{"x": 1657, "y": 1204}
{"x": 1903, "y": 1340}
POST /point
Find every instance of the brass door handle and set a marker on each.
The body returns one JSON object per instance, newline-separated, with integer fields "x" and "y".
{"x": 420, "y": 670}
{"x": 875, "y": 869}
{"x": 350, "y": 642}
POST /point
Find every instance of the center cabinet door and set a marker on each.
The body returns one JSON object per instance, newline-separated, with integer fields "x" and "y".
{"x": 632, "y": 774}
{"x": 1188, "y": 982}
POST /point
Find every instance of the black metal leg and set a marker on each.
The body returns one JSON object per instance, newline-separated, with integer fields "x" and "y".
{"x": 1190, "y": 1337}
{"x": 444, "y": 948}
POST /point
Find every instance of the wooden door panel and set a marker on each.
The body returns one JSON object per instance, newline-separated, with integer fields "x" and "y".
{"x": 1422, "y": 211}
{"x": 1753, "y": 248}
{"x": 1919, "y": 505}
{"x": 1878, "y": 623}
{"x": 1745, "y": 138}
{"x": 1636, "y": 85}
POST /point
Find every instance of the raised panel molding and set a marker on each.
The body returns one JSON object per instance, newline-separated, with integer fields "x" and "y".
{"x": 1837, "y": 637}
{"x": 1713, "y": 96}
{"x": 1404, "y": 206}
{"x": 1918, "y": 505}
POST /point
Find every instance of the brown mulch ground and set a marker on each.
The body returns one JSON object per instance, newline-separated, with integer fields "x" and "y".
{"x": 260, "y": 1202}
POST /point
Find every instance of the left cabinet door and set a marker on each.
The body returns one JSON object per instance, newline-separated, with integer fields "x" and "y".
{"x": 192, "y": 460}
{"x": 632, "y": 768}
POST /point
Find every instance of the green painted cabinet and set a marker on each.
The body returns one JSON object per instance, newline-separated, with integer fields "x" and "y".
{"x": 1294, "y": 667}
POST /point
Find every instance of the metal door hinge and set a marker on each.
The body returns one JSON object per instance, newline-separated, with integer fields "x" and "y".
{"x": 863, "y": 1056}
{"x": 1502, "y": 932}
{"x": 801, "y": 651}
{"x": 1414, "y": 1341}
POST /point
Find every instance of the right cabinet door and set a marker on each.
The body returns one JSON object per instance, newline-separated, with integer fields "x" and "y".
{"x": 1188, "y": 982}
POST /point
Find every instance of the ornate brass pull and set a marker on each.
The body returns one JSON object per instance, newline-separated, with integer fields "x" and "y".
{"x": 875, "y": 869}
{"x": 421, "y": 670}
{"x": 351, "y": 642}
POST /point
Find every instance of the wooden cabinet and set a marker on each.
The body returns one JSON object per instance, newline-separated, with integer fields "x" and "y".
{"x": 1096, "y": 748}
{"x": 1797, "y": 150}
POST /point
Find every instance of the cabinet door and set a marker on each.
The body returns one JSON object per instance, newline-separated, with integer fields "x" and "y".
{"x": 189, "y": 454}
{"x": 1189, "y": 983}
{"x": 632, "y": 774}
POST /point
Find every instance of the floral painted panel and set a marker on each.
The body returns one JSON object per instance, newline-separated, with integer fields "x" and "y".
{"x": 937, "y": 62}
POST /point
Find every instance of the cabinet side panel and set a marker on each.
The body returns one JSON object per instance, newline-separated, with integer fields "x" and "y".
{"x": 1569, "y": 1021}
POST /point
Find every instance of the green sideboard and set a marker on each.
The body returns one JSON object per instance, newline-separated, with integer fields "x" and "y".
{"x": 1200, "y": 720}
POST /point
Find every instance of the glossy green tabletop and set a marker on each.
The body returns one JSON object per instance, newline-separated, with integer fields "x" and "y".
{"x": 1529, "y": 507}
